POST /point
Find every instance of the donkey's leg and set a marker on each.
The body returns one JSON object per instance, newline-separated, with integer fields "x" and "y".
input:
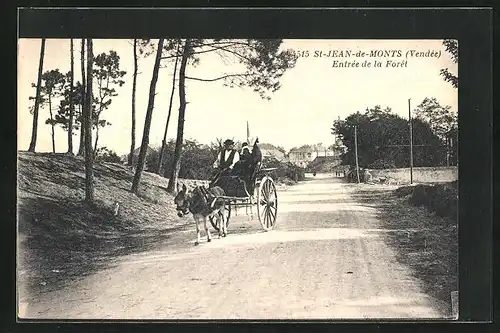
{"x": 223, "y": 222}
{"x": 197, "y": 221}
{"x": 220, "y": 223}
{"x": 205, "y": 221}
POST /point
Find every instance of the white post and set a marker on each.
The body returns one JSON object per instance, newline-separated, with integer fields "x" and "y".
{"x": 411, "y": 142}
{"x": 356, "y": 150}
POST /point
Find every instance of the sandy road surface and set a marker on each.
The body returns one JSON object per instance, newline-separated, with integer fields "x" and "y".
{"x": 325, "y": 259}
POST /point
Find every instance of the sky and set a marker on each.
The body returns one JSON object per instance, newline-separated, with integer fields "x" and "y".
{"x": 313, "y": 94}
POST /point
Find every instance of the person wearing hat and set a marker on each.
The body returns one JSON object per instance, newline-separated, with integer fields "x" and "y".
{"x": 245, "y": 152}
{"x": 227, "y": 158}
{"x": 240, "y": 167}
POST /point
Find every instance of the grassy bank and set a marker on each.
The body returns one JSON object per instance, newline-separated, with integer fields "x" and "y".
{"x": 61, "y": 237}
{"x": 422, "y": 240}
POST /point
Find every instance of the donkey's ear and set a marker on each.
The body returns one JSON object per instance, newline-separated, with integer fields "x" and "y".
{"x": 184, "y": 188}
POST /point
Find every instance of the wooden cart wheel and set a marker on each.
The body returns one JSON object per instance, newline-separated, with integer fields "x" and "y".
{"x": 267, "y": 203}
{"x": 227, "y": 215}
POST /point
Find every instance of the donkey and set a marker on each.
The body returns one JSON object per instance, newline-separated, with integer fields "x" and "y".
{"x": 202, "y": 203}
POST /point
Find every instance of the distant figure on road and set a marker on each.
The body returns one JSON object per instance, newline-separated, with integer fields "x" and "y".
{"x": 367, "y": 176}
{"x": 314, "y": 173}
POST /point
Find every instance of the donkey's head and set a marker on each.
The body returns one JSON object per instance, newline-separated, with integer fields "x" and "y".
{"x": 182, "y": 200}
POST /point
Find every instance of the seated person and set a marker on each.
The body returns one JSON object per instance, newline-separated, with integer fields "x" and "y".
{"x": 250, "y": 161}
{"x": 254, "y": 159}
{"x": 245, "y": 152}
{"x": 227, "y": 158}
{"x": 241, "y": 167}
{"x": 256, "y": 155}
{"x": 229, "y": 163}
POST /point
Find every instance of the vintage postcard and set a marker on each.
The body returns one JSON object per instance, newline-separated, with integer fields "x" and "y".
{"x": 210, "y": 179}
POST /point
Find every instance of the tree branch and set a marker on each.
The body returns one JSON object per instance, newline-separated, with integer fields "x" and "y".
{"x": 199, "y": 52}
{"x": 224, "y": 47}
{"x": 217, "y": 43}
{"x": 236, "y": 53}
{"x": 218, "y": 78}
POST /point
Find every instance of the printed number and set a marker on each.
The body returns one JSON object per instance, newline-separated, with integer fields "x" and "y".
{"x": 303, "y": 54}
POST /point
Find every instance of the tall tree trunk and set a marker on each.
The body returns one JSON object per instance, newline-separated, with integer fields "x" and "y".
{"x": 37, "y": 99}
{"x": 52, "y": 125}
{"x": 147, "y": 122}
{"x": 164, "y": 142}
{"x": 81, "y": 149}
{"x": 89, "y": 174}
{"x": 71, "y": 103}
{"x": 96, "y": 138}
{"x": 134, "y": 84}
{"x": 180, "y": 125}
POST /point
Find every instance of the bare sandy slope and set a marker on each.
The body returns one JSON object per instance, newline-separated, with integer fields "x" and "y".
{"x": 325, "y": 259}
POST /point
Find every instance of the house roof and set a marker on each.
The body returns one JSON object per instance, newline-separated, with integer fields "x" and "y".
{"x": 267, "y": 146}
{"x": 271, "y": 151}
{"x": 301, "y": 150}
{"x": 149, "y": 150}
{"x": 314, "y": 148}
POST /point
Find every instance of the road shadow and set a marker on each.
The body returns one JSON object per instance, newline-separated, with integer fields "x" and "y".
{"x": 56, "y": 247}
{"x": 306, "y": 217}
{"x": 424, "y": 242}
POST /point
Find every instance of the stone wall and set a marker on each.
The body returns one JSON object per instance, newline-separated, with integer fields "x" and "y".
{"x": 420, "y": 174}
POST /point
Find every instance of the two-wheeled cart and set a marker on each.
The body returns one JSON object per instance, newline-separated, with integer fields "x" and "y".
{"x": 257, "y": 190}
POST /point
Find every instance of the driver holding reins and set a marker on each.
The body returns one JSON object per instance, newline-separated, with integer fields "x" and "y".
{"x": 227, "y": 158}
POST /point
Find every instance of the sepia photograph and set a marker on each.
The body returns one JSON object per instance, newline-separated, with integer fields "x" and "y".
{"x": 240, "y": 179}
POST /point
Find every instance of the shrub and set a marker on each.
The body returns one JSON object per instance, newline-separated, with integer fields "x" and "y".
{"x": 107, "y": 155}
{"x": 419, "y": 196}
{"x": 382, "y": 164}
{"x": 322, "y": 164}
{"x": 196, "y": 160}
{"x": 352, "y": 177}
{"x": 431, "y": 197}
{"x": 404, "y": 191}
{"x": 445, "y": 201}
{"x": 284, "y": 170}
{"x": 441, "y": 198}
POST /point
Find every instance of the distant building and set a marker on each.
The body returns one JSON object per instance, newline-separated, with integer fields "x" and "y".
{"x": 301, "y": 156}
{"x": 269, "y": 150}
{"x": 306, "y": 154}
{"x": 325, "y": 164}
{"x": 135, "y": 156}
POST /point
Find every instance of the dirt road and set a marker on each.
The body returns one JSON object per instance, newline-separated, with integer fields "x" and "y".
{"x": 326, "y": 259}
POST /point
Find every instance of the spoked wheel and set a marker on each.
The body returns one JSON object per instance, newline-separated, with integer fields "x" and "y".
{"x": 226, "y": 212}
{"x": 267, "y": 203}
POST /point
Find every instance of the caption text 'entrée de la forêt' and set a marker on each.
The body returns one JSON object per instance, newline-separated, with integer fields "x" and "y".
{"x": 393, "y": 58}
